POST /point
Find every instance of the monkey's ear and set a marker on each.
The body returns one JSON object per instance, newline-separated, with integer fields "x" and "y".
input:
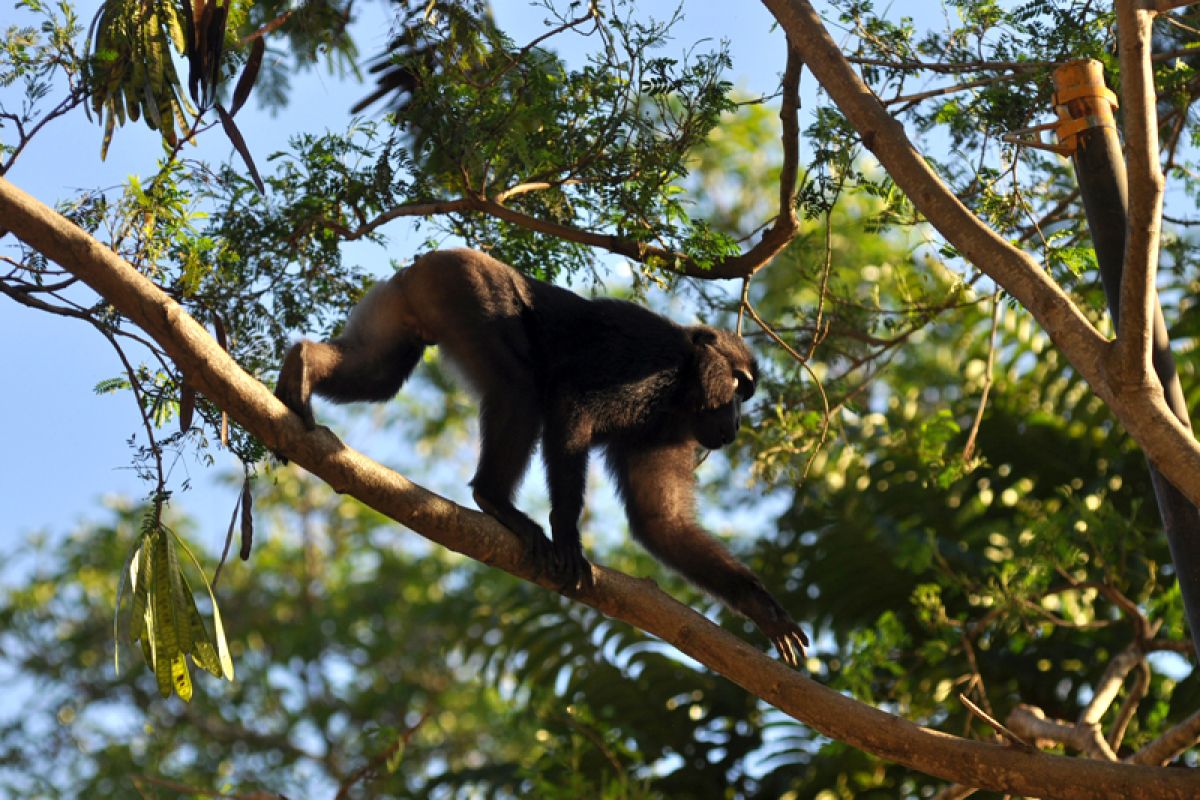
{"x": 715, "y": 384}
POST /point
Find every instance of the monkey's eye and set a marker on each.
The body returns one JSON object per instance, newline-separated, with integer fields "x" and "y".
{"x": 744, "y": 384}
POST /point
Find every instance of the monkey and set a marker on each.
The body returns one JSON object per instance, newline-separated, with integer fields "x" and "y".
{"x": 575, "y": 373}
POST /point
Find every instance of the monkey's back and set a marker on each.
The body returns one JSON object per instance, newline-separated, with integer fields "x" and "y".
{"x": 620, "y": 363}
{"x": 617, "y": 360}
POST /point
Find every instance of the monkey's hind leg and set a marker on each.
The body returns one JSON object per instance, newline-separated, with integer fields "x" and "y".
{"x": 295, "y": 385}
{"x": 509, "y": 423}
{"x": 369, "y": 361}
{"x": 344, "y": 371}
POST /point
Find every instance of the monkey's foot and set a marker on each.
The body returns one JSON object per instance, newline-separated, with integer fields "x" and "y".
{"x": 539, "y": 555}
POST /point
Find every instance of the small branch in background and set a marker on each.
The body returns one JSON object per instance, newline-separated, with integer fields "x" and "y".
{"x": 803, "y": 362}
{"x": 1171, "y": 744}
{"x": 1006, "y": 734}
{"x": 916, "y": 97}
{"x": 372, "y": 767}
{"x": 969, "y": 448}
{"x": 139, "y": 782}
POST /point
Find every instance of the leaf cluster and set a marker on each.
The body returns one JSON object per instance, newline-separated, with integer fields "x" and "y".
{"x": 163, "y": 616}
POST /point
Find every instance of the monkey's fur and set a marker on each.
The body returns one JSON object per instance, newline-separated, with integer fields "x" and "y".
{"x": 577, "y": 372}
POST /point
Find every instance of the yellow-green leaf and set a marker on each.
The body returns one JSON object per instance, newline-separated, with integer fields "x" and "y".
{"x": 181, "y": 678}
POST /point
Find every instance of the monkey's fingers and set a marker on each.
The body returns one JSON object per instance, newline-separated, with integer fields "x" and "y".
{"x": 792, "y": 647}
{"x": 540, "y": 556}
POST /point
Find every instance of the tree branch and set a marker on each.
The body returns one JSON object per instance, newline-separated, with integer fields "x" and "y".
{"x": 1144, "y": 220}
{"x": 1166, "y": 747}
{"x": 637, "y": 602}
{"x": 1141, "y": 409}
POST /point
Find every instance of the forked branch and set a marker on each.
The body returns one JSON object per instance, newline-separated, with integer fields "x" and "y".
{"x": 1144, "y": 220}
{"x": 1141, "y": 409}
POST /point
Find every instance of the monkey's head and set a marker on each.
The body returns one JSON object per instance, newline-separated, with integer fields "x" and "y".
{"x": 724, "y": 377}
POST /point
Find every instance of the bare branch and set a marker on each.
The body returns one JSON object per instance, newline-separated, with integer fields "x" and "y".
{"x": 1166, "y": 5}
{"x": 1106, "y": 689}
{"x": 1129, "y": 707}
{"x": 953, "y": 88}
{"x": 1144, "y": 220}
{"x": 993, "y": 723}
{"x": 1030, "y": 722}
{"x": 1171, "y": 744}
{"x": 951, "y": 68}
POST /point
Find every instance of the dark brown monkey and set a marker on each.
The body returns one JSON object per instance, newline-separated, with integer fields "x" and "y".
{"x": 575, "y": 372}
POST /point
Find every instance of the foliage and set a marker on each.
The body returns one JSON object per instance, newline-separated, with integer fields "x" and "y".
{"x": 954, "y": 512}
{"x": 350, "y": 634}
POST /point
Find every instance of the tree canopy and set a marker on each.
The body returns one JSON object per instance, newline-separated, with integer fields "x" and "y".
{"x": 944, "y": 476}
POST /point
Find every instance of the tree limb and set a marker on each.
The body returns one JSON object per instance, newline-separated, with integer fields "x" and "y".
{"x": 1166, "y": 747}
{"x": 1144, "y": 220}
{"x": 1142, "y": 409}
{"x": 637, "y": 602}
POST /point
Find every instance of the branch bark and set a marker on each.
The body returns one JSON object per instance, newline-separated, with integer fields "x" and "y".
{"x": 1141, "y": 408}
{"x": 620, "y": 596}
{"x": 1138, "y": 289}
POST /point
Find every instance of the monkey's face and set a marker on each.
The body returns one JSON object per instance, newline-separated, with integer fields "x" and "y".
{"x": 726, "y": 374}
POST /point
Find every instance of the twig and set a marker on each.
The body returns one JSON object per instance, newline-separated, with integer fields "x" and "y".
{"x": 969, "y": 447}
{"x": 799, "y": 359}
{"x": 944, "y": 90}
{"x": 372, "y": 766}
{"x": 995, "y": 724}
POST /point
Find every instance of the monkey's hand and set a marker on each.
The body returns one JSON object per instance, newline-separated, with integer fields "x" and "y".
{"x": 785, "y": 634}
